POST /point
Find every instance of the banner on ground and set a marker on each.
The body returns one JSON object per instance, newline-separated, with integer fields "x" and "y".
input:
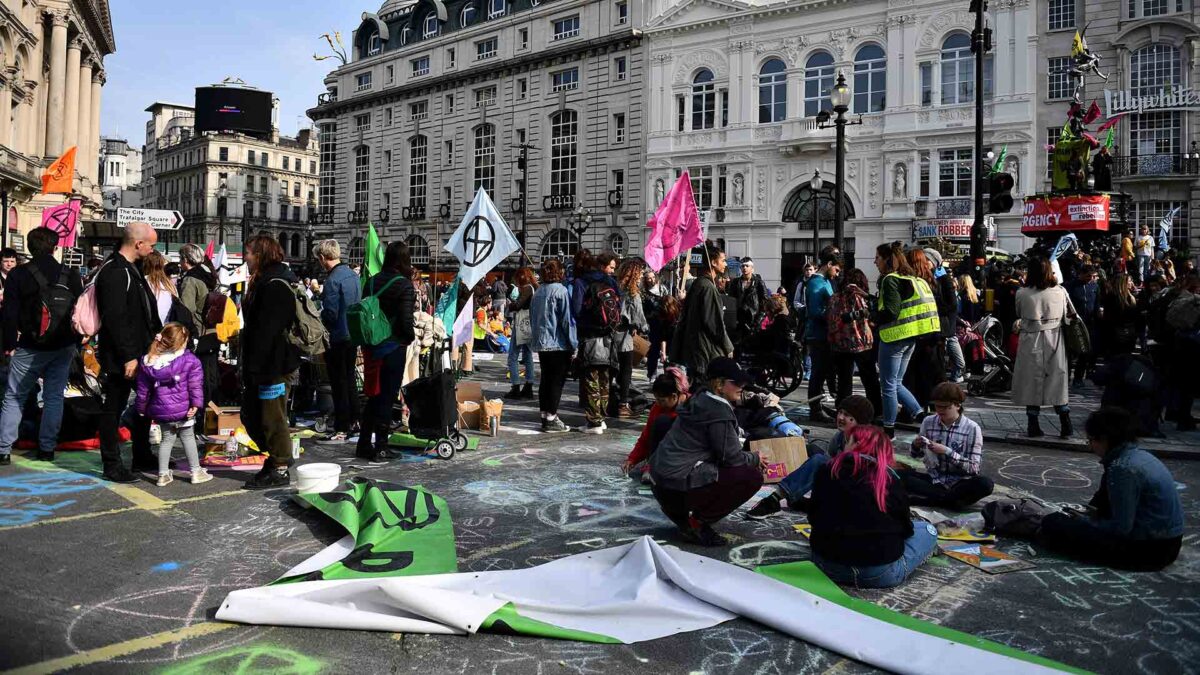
{"x": 1065, "y": 214}
{"x": 482, "y": 240}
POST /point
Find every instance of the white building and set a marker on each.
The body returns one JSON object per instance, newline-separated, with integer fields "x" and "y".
{"x": 736, "y": 87}
{"x": 120, "y": 175}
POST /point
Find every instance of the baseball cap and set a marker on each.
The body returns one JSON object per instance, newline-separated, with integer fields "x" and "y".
{"x": 726, "y": 368}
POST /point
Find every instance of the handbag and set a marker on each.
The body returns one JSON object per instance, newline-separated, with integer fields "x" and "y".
{"x": 522, "y": 328}
{"x": 1079, "y": 341}
{"x": 641, "y": 347}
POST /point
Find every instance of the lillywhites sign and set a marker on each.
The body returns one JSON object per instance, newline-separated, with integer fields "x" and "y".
{"x": 945, "y": 228}
{"x": 1125, "y": 102}
{"x": 1065, "y": 214}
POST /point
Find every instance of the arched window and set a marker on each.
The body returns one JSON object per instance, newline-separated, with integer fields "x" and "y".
{"x": 704, "y": 100}
{"x": 418, "y": 163}
{"x": 405, "y": 35}
{"x": 362, "y": 177}
{"x": 283, "y": 242}
{"x": 564, "y": 132}
{"x": 958, "y": 70}
{"x": 818, "y": 82}
{"x": 354, "y": 252}
{"x": 374, "y": 44}
{"x": 295, "y": 244}
{"x": 431, "y": 25}
{"x": 870, "y": 79}
{"x": 617, "y": 243}
{"x": 496, "y": 8}
{"x": 485, "y": 158}
{"x": 772, "y": 92}
{"x": 1154, "y": 69}
{"x": 418, "y": 249}
{"x": 467, "y": 15}
{"x": 560, "y": 243}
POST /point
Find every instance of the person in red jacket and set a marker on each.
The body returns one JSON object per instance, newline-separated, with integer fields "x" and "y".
{"x": 670, "y": 389}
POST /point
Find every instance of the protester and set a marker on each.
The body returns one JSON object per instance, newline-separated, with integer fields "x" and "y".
{"x": 154, "y": 269}
{"x": 798, "y": 299}
{"x": 633, "y": 323}
{"x": 1144, "y": 249}
{"x": 851, "y": 339}
{"x": 1122, "y": 320}
{"x": 670, "y": 389}
{"x": 662, "y": 320}
{"x": 970, "y": 305}
{"x": 43, "y": 350}
{"x": 906, "y": 309}
{"x": 1126, "y": 260}
{"x": 554, "y": 340}
{"x": 862, "y": 533}
{"x": 8, "y": 262}
{"x": 928, "y": 365}
{"x": 197, "y": 282}
{"x": 1040, "y": 373}
{"x": 520, "y": 349}
{"x": 268, "y": 359}
{"x": 700, "y": 336}
{"x": 700, "y": 472}
{"x": 947, "y": 299}
{"x": 729, "y": 310}
{"x": 396, "y": 300}
{"x": 852, "y": 411}
{"x": 817, "y": 293}
{"x": 751, "y": 295}
{"x": 342, "y": 289}
{"x": 1084, "y": 293}
{"x": 951, "y": 445}
{"x": 594, "y": 297}
{"x": 129, "y": 322}
{"x": 170, "y": 391}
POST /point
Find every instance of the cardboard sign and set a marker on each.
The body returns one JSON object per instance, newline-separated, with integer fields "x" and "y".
{"x": 780, "y": 456}
{"x": 1065, "y": 214}
{"x": 220, "y": 421}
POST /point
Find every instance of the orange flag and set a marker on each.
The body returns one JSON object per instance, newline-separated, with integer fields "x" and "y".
{"x": 58, "y": 177}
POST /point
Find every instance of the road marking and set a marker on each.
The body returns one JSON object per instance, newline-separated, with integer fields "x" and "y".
{"x": 114, "y": 651}
{"x": 167, "y": 504}
{"x": 134, "y": 495}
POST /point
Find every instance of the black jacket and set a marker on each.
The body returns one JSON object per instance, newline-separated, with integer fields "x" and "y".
{"x": 269, "y": 309}
{"x": 947, "y": 303}
{"x": 128, "y": 314}
{"x": 701, "y": 333}
{"x": 847, "y": 525}
{"x": 751, "y": 298}
{"x": 398, "y": 303}
{"x": 22, "y": 309}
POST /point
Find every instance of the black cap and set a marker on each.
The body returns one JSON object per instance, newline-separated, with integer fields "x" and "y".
{"x": 726, "y": 368}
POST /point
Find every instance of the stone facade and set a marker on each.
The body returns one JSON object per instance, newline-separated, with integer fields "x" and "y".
{"x": 119, "y": 175}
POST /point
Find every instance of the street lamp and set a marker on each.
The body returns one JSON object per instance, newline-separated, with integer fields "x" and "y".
{"x": 581, "y": 219}
{"x": 817, "y": 184}
{"x": 222, "y": 194}
{"x": 839, "y": 98}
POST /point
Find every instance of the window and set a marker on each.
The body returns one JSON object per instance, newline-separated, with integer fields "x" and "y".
{"x": 420, "y": 66}
{"x": 262, "y": 209}
{"x": 622, "y": 12}
{"x": 496, "y": 8}
{"x": 262, "y": 184}
{"x": 1141, "y": 9}
{"x": 312, "y": 167}
{"x": 772, "y": 92}
{"x": 524, "y": 33}
{"x": 296, "y": 189}
{"x": 405, "y": 35}
{"x": 389, "y": 75}
{"x": 1154, "y": 69}
{"x": 250, "y": 156}
{"x": 283, "y": 188}
{"x": 1150, "y": 214}
{"x": 467, "y": 15}
{"x": 954, "y": 173}
{"x": 449, "y": 153}
{"x": 560, "y": 244}
{"x": 362, "y": 122}
{"x": 387, "y": 117}
{"x": 485, "y": 96}
{"x": 264, "y": 159}
{"x": 818, "y": 82}
{"x": 450, "y": 57}
{"x": 702, "y": 186}
{"x": 619, "y": 128}
{"x": 565, "y": 80}
{"x": 485, "y": 158}
{"x": 362, "y": 81}
{"x": 1058, "y": 81}
{"x": 704, "y": 100}
{"x": 328, "y": 150}
{"x": 618, "y": 180}
{"x": 362, "y": 177}
{"x": 522, "y": 88}
{"x": 223, "y": 154}
{"x": 724, "y": 107}
{"x": 418, "y": 110}
{"x": 485, "y": 49}
{"x": 926, "y": 84}
{"x": 870, "y": 79}
{"x": 923, "y": 182}
{"x": 680, "y": 113}
{"x": 566, "y": 28}
{"x": 430, "y": 27}
{"x": 296, "y": 213}
{"x": 418, "y": 249}
{"x": 564, "y": 129}
{"x": 418, "y": 163}
{"x": 374, "y": 44}
{"x": 387, "y": 161}
{"x": 958, "y": 70}
{"x": 285, "y": 163}
{"x": 621, "y": 68}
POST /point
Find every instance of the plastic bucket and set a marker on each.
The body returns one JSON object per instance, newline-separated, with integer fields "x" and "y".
{"x": 318, "y": 477}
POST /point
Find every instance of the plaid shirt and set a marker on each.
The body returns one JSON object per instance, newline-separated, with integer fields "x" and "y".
{"x": 965, "y": 440}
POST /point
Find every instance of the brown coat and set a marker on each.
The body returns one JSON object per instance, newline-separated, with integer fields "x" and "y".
{"x": 1040, "y": 375}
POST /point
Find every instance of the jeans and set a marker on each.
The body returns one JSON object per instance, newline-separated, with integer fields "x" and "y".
{"x": 917, "y": 550}
{"x": 340, "y": 363}
{"x": 26, "y": 366}
{"x": 822, "y": 371}
{"x": 624, "y": 378}
{"x": 1142, "y": 268}
{"x": 922, "y": 491}
{"x": 516, "y": 354}
{"x": 116, "y": 391}
{"x": 845, "y": 363}
{"x": 377, "y": 414}
{"x": 799, "y": 482}
{"x": 266, "y": 421}
{"x": 712, "y": 502}
{"x": 171, "y": 430}
{"x": 554, "y": 375}
{"x": 958, "y": 362}
{"x": 1078, "y": 538}
{"x": 893, "y": 361}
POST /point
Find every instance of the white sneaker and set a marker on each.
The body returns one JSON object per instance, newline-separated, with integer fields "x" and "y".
{"x": 594, "y": 430}
{"x": 165, "y": 479}
{"x": 200, "y": 475}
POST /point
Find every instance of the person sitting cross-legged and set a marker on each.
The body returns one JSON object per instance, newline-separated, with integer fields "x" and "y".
{"x": 951, "y": 445}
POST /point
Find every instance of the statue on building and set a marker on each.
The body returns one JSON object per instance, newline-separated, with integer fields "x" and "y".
{"x": 899, "y": 182}
{"x": 1083, "y": 61}
{"x": 739, "y": 189}
{"x": 660, "y": 191}
{"x": 339, "y": 49}
{"x": 1014, "y": 169}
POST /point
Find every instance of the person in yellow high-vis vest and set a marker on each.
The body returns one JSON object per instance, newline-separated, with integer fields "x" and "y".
{"x": 905, "y": 311}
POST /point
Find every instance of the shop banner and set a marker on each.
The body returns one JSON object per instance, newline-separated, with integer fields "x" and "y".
{"x": 944, "y": 228}
{"x": 1065, "y": 214}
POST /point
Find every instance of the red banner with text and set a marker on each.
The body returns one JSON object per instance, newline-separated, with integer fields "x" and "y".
{"x": 1065, "y": 214}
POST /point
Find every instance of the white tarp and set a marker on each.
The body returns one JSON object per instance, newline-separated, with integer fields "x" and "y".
{"x": 640, "y": 591}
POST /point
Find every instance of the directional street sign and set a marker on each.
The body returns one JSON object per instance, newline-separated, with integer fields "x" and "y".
{"x": 157, "y": 218}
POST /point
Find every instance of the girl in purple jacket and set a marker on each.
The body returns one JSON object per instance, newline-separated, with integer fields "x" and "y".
{"x": 170, "y": 390}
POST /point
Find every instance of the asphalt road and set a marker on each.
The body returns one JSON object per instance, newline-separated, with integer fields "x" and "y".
{"x": 90, "y": 572}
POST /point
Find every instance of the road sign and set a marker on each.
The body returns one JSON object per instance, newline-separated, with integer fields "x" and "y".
{"x": 157, "y": 218}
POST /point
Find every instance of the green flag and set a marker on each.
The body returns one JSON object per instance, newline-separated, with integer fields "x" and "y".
{"x": 999, "y": 165}
{"x": 1066, "y": 134}
{"x": 1110, "y": 138}
{"x": 372, "y": 254}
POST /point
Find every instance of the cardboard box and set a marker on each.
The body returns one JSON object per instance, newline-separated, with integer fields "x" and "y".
{"x": 220, "y": 421}
{"x": 780, "y": 456}
{"x": 470, "y": 402}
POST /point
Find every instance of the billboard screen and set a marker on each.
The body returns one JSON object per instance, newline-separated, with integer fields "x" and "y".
{"x": 233, "y": 109}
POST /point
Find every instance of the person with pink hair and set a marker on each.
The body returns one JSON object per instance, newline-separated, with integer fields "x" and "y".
{"x": 861, "y": 530}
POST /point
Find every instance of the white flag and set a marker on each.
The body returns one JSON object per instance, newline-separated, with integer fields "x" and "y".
{"x": 481, "y": 241}
{"x": 464, "y": 325}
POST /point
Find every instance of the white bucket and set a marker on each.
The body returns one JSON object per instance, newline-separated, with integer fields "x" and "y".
{"x": 318, "y": 477}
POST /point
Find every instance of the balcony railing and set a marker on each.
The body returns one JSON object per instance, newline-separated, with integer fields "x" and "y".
{"x": 20, "y": 169}
{"x": 558, "y": 202}
{"x": 410, "y": 213}
{"x": 1176, "y": 164}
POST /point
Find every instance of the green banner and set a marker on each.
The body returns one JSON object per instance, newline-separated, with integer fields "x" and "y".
{"x": 398, "y": 531}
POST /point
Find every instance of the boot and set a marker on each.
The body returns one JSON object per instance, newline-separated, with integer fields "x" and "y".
{"x": 527, "y": 390}
{"x": 890, "y": 431}
{"x": 1035, "y": 427}
{"x": 514, "y": 393}
{"x": 1066, "y": 429}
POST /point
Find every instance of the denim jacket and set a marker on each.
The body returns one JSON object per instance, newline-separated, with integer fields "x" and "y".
{"x": 550, "y": 319}
{"x": 342, "y": 289}
{"x": 1137, "y": 497}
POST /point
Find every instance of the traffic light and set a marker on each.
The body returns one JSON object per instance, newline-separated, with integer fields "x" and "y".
{"x": 1000, "y": 185}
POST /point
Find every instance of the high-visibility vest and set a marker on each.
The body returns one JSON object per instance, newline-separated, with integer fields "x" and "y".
{"x": 918, "y": 313}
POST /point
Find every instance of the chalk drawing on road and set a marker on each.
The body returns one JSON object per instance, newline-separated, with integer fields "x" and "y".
{"x": 499, "y": 493}
{"x": 250, "y": 660}
{"x": 1027, "y": 469}
{"x": 757, "y": 553}
{"x": 20, "y": 514}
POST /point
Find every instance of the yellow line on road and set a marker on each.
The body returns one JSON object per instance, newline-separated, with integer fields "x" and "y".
{"x": 96, "y": 514}
{"x": 130, "y": 493}
{"x": 114, "y": 651}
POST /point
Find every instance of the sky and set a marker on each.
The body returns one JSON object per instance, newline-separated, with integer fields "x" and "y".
{"x": 166, "y": 48}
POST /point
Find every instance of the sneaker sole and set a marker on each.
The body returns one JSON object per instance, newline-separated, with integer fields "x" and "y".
{"x": 761, "y": 517}
{"x": 594, "y": 432}
{"x": 203, "y": 480}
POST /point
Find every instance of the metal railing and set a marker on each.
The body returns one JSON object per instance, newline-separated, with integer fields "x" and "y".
{"x": 1173, "y": 164}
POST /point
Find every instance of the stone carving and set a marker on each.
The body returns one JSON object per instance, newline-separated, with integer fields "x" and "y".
{"x": 693, "y": 60}
{"x": 923, "y": 116}
{"x": 1014, "y": 167}
{"x": 704, "y": 138}
{"x": 739, "y": 189}
{"x": 901, "y": 20}
{"x": 762, "y": 192}
{"x": 767, "y": 133}
{"x": 661, "y": 58}
{"x": 941, "y": 23}
{"x": 738, "y": 46}
{"x": 839, "y": 39}
{"x": 780, "y": 174}
{"x": 792, "y": 47}
{"x": 873, "y": 184}
{"x": 660, "y": 191}
{"x": 899, "y": 182}
{"x": 852, "y": 169}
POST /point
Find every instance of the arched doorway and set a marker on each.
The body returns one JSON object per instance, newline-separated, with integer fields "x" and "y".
{"x": 560, "y": 243}
{"x": 418, "y": 249}
{"x": 813, "y": 213}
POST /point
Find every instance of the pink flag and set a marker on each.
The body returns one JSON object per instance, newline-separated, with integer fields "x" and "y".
{"x": 208, "y": 251}
{"x": 464, "y": 325}
{"x": 64, "y": 220}
{"x": 1110, "y": 122}
{"x": 675, "y": 225}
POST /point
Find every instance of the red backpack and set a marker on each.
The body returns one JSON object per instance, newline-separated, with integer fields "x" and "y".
{"x": 849, "y": 327}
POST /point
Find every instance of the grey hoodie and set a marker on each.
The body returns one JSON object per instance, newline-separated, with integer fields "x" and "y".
{"x": 704, "y": 438}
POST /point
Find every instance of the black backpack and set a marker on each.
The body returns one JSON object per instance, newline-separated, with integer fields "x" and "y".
{"x": 602, "y": 308}
{"x": 56, "y": 304}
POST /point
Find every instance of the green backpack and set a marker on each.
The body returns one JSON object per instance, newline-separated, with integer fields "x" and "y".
{"x": 369, "y": 326}
{"x": 307, "y": 333}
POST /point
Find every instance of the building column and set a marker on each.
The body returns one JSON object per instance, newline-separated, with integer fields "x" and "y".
{"x": 86, "y": 144}
{"x": 55, "y": 130}
{"x": 36, "y": 84}
{"x": 94, "y": 134}
{"x": 71, "y": 108}
{"x": 6, "y": 113}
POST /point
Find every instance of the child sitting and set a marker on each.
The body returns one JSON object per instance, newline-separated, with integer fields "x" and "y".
{"x": 670, "y": 389}
{"x": 951, "y": 446}
{"x": 861, "y": 530}
{"x": 170, "y": 390}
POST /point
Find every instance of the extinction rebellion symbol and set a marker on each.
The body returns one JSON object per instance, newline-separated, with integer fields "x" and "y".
{"x": 478, "y": 241}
